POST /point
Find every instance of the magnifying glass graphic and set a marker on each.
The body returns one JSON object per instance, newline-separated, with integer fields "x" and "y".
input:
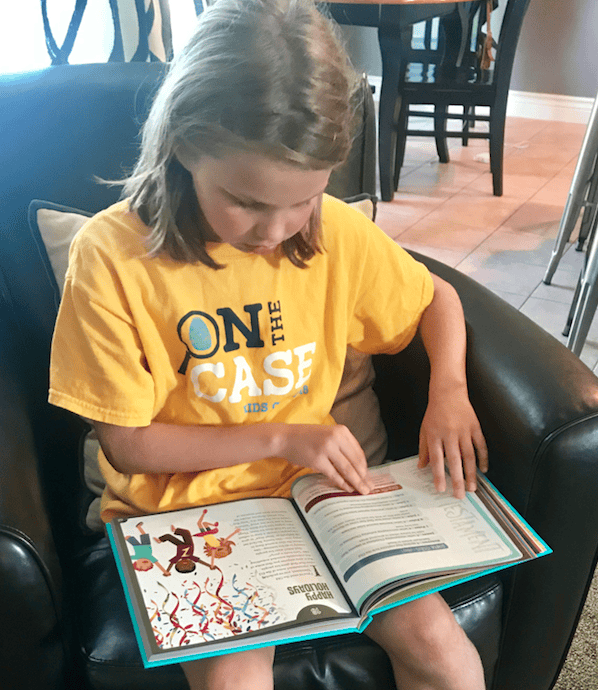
{"x": 199, "y": 333}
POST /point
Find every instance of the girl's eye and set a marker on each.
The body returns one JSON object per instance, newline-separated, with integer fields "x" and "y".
{"x": 252, "y": 205}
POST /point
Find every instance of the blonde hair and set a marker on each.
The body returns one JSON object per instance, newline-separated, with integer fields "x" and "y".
{"x": 265, "y": 76}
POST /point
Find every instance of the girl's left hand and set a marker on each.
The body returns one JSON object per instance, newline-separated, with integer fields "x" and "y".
{"x": 451, "y": 433}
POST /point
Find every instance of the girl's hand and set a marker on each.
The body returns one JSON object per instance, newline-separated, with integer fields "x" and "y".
{"x": 451, "y": 433}
{"x": 331, "y": 450}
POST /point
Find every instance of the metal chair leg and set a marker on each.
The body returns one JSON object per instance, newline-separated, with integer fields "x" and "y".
{"x": 590, "y": 209}
{"x": 587, "y": 301}
{"x": 590, "y": 236}
{"x": 573, "y": 306}
{"x": 575, "y": 199}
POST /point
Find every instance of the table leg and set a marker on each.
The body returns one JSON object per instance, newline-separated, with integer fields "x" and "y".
{"x": 389, "y": 39}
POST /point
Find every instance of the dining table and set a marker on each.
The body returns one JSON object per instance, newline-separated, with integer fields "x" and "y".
{"x": 392, "y": 18}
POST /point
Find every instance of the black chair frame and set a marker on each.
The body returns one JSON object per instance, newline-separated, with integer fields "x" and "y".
{"x": 452, "y": 78}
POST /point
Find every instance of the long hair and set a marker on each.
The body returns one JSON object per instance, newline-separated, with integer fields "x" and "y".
{"x": 264, "y": 76}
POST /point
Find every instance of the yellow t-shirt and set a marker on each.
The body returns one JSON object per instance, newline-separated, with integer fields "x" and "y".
{"x": 141, "y": 339}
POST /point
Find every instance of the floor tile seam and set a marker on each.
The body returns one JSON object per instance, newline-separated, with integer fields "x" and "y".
{"x": 474, "y": 249}
{"x": 513, "y": 213}
{"x": 414, "y": 223}
{"x": 523, "y": 200}
{"x": 549, "y": 179}
{"x": 547, "y": 299}
{"x": 560, "y": 329}
{"x": 433, "y": 210}
{"x": 459, "y": 192}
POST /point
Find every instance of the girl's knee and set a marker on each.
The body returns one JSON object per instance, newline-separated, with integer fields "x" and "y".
{"x": 238, "y": 671}
{"x": 426, "y": 624}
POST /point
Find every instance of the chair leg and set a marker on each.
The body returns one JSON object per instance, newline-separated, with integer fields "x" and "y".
{"x": 467, "y": 123}
{"x": 497, "y": 144}
{"x": 402, "y": 122}
{"x": 585, "y": 169}
{"x": 573, "y": 306}
{"x": 582, "y": 320}
{"x": 590, "y": 210}
{"x": 578, "y": 287}
{"x": 587, "y": 301}
{"x": 440, "y": 132}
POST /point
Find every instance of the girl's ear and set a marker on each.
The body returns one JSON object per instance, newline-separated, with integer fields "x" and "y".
{"x": 184, "y": 160}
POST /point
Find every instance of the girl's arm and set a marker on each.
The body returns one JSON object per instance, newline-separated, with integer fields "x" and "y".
{"x": 450, "y": 429}
{"x": 168, "y": 448}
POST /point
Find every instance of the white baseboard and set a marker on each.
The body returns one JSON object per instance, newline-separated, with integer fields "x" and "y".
{"x": 538, "y": 106}
{"x": 549, "y": 106}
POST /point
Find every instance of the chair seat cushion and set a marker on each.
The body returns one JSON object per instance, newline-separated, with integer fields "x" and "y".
{"x": 111, "y": 658}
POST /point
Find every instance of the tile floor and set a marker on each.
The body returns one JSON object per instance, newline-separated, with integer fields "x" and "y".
{"x": 447, "y": 211}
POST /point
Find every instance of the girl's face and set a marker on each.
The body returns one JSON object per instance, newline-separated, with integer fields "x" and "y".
{"x": 254, "y": 203}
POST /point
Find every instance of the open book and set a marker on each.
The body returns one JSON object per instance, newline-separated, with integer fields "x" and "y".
{"x": 265, "y": 571}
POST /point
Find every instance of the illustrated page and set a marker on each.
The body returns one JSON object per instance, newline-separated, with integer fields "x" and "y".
{"x": 228, "y": 570}
{"x": 403, "y": 528}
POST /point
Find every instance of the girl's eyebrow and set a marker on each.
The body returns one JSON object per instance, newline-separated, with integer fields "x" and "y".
{"x": 243, "y": 199}
{"x": 261, "y": 204}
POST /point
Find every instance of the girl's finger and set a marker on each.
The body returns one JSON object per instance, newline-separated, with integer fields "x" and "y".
{"x": 455, "y": 464}
{"x": 436, "y": 462}
{"x": 343, "y": 466}
{"x": 479, "y": 443}
{"x": 352, "y": 453}
{"x": 336, "y": 478}
{"x": 469, "y": 464}
{"x": 423, "y": 452}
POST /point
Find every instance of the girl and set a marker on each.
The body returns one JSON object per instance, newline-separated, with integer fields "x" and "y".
{"x": 207, "y": 315}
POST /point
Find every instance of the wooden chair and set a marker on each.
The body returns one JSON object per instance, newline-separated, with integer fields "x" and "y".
{"x": 453, "y": 75}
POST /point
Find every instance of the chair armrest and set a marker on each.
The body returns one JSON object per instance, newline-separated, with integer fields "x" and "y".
{"x": 538, "y": 407}
{"x": 32, "y": 654}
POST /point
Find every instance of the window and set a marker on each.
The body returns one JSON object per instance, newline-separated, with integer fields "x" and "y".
{"x": 23, "y": 42}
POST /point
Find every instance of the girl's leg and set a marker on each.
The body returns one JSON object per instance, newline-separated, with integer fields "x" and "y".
{"x": 239, "y": 671}
{"x": 427, "y": 648}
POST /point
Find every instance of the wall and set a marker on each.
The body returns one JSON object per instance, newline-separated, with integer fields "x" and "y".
{"x": 557, "y": 52}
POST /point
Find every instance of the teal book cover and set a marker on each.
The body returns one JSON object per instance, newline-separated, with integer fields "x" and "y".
{"x": 267, "y": 571}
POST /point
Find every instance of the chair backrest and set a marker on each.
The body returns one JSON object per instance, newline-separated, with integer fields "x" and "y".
{"x": 510, "y": 30}
{"x": 463, "y": 36}
{"x": 60, "y": 129}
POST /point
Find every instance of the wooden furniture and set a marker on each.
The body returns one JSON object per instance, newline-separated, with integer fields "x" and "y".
{"x": 455, "y": 78}
{"x": 392, "y": 18}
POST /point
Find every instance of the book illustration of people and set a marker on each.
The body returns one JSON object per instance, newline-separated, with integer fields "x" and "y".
{"x": 205, "y": 606}
{"x": 196, "y": 590}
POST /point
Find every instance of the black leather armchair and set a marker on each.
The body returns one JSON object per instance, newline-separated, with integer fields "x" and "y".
{"x": 62, "y": 611}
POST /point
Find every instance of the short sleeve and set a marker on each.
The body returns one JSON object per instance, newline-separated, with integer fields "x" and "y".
{"x": 98, "y": 369}
{"x": 389, "y": 289}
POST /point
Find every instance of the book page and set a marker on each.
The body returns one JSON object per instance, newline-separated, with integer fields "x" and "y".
{"x": 228, "y": 570}
{"x": 404, "y": 528}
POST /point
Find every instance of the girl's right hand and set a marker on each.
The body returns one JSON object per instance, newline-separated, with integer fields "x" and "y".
{"x": 331, "y": 450}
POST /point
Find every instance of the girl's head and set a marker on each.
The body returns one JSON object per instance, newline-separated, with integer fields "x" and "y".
{"x": 224, "y": 549}
{"x": 264, "y": 79}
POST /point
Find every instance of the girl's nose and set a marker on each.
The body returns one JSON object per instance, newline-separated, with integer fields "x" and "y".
{"x": 273, "y": 229}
